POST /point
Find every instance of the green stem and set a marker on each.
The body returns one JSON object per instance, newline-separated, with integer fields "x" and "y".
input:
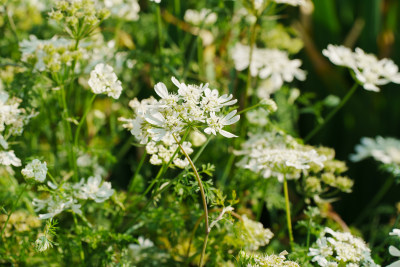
{"x": 287, "y": 206}
{"x": 332, "y": 113}
{"x": 308, "y": 233}
{"x": 160, "y": 40}
{"x": 83, "y": 120}
{"x": 68, "y": 133}
{"x": 131, "y": 184}
{"x": 13, "y": 209}
{"x": 203, "y": 197}
{"x": 248, "y": 81}
{"x": 381, "y": 193}
{"x": 81, "y": 253}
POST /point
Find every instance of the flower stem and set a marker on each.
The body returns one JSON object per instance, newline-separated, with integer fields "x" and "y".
{"x": 13, "y": 209}
{"x": 160, "y": 40}
{"x": 131, "y": 184}
{"x": 332, "y": 113}
{"x": 381, "y": 193}
{"x": 83, "y": 120}
{"x": 287, "y": 205}
{"x": 203, "y": 197}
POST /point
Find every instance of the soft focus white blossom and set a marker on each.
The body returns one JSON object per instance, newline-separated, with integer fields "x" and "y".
{"x": 104, "y": 80}
{"x": 395, "y": 232}
{"x": 203, "y": 17}
{"x": 368, "y": 70}
{"x": 42, "y": 244}
{"x": 272, "y": 64}
{"x": 293, "y": 2}
{"x": 385, "y": 150}
{"x": 123, "y": 9}
{"x": 8, "y": 158}
{"x": 35, "y": 170}
{"x": 334, "y": 248}
{"x": 94, "y": 189}
{"x": 275, "y": 154}
{"x": 55, "y": 205}
{"x": 259, "y": 260}
{"x": 255, "y": 234}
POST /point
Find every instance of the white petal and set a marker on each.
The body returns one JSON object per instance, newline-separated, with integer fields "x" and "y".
{"x": 227, "y": 134}
{"x": 161, "y": 90}
{"x": 394, "y": 251}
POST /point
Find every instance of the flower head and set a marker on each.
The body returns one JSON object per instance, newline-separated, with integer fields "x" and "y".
{"x": 104, "y": 80}
{"x": 35, "y": 170}
{"x": 367, "y": 69}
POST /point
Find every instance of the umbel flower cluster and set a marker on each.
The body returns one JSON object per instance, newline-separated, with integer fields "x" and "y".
{"x": 259, "y": 260}
{"x": 274, "y": 154}
{"x": 368, "y": 70}
{"x": 385, "y": 150}
{"x": 192, "y": 106}
{"x": 272, "y": 64}
{"x": 339, "y": 249}
{"x": 65, "y": 196}
{"x": 12, "y": 120}
{"x": 254, "y": 233}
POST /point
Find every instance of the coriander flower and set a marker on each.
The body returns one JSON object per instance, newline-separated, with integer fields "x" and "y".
{"x": 272, "y": 64}
{"x": 247, "y": 259}
{"x": 334, "y": 248}
{"x": 385, "y": 150}
{"x": 35, "y": 170}
{"x": 216, "y": 123}
{"x": 104, "y": 80}
{"x": 43, "y": 243}
{"x": 367, "y": 69}
{"x": 8, "y": 158}
{"x": 395, "y": 232}
{"x": 274, "y": 154}
{"x": 204, "y": 16}
{"x": 255, "y": 234}
{"x": 93, "y": 189}
{"x": 293, "y": 2}
{"x": 192, "y": 106}
{"x": 55, "y": 205}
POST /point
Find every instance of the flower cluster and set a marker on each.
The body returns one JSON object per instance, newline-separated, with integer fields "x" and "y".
{"x": 274, "y": 154}
{"x": 123, "y": 9}
{"x": 35, "y": 170}
{"x": 272, "y": 64}
{"x": 104, "y": 80}
{"x": 12, "y": 120}
{"x": 66, "y": 196}
{"x": 259, "y": 260}
{"x": 203, "y": 17}
{"x": 337, "y": 249}
{"x": 162, "y": 152}
{"x": 318, "y": 179}
{"x": 368, "y": 70}
{"x": 254, "y": 234}
{"x": 78, "y": 17}
{"x": 173, "y": 113}
{"x": 50, "y": 54}
{"x": 385, "y": 150}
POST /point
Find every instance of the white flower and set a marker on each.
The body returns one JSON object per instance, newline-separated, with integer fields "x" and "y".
{"x": 334, "y": 248}
{"x": 213, "y": 102}
{"x": 273, "y": 153}
{"x": 93, "y": 189}
{"x": 255, "y": 234}
{"x": 395, "y": 253}
{"x": 204, "y": 16}
{"x": 128, "y": 9}
{"x": 272, "y": 64}
{"x": 216, "y": 123}
{"x": 42, "y": 244}
{"x": 368, "y": 70}
{"x": 385, "y": 150}
{"x": 293, "y": 2}
{"x": 395, "y": 232}
{"x": 8, "y": 158}
{"x": 192, "y": 106}
{"x": 35, "y": 170}
{"x": 104, "y": 80}
{"x": 55, "y": 205}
